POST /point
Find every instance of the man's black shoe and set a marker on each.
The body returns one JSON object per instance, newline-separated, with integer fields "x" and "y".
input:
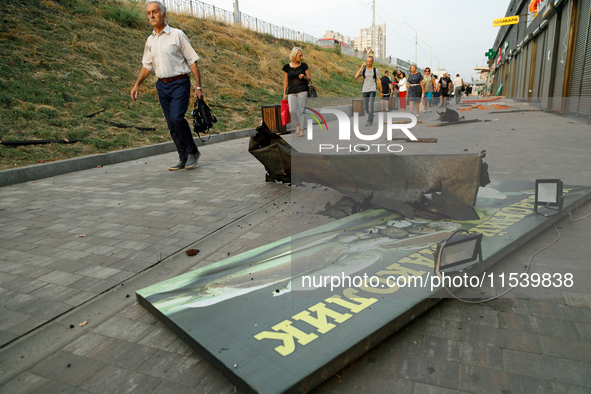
{"x": 192, "y": 160}
{"x": 178, "y": 166}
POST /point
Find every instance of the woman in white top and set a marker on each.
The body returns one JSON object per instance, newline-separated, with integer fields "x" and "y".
{"x": 402, "y": 89}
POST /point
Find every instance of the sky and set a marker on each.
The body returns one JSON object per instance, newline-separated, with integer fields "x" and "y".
{"x": 458, "y": 32}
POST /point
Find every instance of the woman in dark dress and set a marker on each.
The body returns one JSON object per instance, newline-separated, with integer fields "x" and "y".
{"x": 416, "y": 89}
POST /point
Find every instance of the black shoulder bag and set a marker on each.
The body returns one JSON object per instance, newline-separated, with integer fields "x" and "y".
{"x": 203, "y": 119}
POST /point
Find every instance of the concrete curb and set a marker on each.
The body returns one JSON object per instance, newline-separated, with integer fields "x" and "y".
{"x": 40, "y": 171}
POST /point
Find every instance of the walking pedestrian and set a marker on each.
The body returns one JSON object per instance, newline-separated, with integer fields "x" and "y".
{"x": 416, "y": 88}
{"x": 442, "y": 87}
{"x": 397, "y": 77}
{"x": 385, "y": 95}
{"x": 429, "y": 85}
{"x": 435, "y": 91}
{"x": 295, "y": 88}
{"x": 402, "y": 90}
{"x": 371, "y": 83}
{"x": 468, "y": 90}
{"x": 169, "y": 54}
{"x": 458, "y": 86}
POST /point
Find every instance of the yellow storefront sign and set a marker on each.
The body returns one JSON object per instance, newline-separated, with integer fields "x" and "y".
{"x": 510, "y": 20}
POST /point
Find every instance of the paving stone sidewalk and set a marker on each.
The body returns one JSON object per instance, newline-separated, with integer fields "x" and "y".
{"x": 138, "y": 218}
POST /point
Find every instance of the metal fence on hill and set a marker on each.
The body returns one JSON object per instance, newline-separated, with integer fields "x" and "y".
{"x": 199, "y": 9}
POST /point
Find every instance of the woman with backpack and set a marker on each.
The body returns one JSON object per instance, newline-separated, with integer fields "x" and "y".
{"x": 295, "y": 88}
{"x": 429, "y": 85}
{"x": 371, "y": 83}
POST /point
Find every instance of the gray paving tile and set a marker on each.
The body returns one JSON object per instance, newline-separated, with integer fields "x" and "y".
{"x": 23, "y": 285}
{"x": 61, "y": 278}
{"x": 453, "y": 310}
{"x": 124, "y": 329}
{"x": 14, "y": 300}
{"x": 45, "y": 309}
{"x": 566, "y": 348}
{"x": 26, "y": 326}
{"x": 112, "y": 379}
{"x": 349, "y": 380}
{"x": 213, "y": 381}
{"x": 164, "y": 339}
{"x": 185, "y": 371}
{"x": 84, "y": 344}
{"x": 79, "y": 298}
{"x": 483, "y": 381}
{"x": 426, "y": 325}
{"x": 501, "y": 338}
{"x": 421, "y": 388}
{"x": 541, "y": 367}
{"x": 423, "y": 369}
{"x": 563, "y": 388}
{"x": 30, "y": 383}
{"x": 122, "y": 353}
{"x": 6, "y": 337}
{"x": 54, "y": 292}
{"x": 563, "y": 312}
{"x": 134, "y": 266}
{"x": 539, "y": 325}
{"x": 9, "y": 318}
{"x": 167, "y": 387}
{"x": 462, "y": 352}
{"x": 67, "y": 368}
{"x": 98, "y": 272}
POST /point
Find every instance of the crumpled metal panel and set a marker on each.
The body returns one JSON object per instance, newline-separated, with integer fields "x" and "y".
{"x": 388, "y": 180}
{"x": 273, "y": 152}
{"x": 399, "y": 179}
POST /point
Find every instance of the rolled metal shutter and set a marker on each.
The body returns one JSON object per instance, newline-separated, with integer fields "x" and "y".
{"x": 530, "y": 46}
{"x": 585, "y": 96}
{"x": 535, "y": 94}
{"x": 548, "y": 57}
{"x": 509, "y": 77}
{"x": 562, "y": 55}
{"x": 522, "y": 56}
{"x": 518, "y": 76}
{"x": 581, "y": 48}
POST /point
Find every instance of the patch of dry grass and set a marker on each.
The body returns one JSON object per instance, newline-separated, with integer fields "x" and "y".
{"x": 61, "y": 63}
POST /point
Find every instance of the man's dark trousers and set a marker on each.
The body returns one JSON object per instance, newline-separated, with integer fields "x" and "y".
{"x": 174, "y": 99}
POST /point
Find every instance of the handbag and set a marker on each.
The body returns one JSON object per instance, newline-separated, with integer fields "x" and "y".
{"x": 285, "y": 115}
{"x": 312, "y": 91}
{"x": 203, "y": 119}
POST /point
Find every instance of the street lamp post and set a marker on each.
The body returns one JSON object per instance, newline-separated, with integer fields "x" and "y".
{"x": 437, "y": 63}
{"x": 416, "y": 39}
{"x": 431, "y": 58}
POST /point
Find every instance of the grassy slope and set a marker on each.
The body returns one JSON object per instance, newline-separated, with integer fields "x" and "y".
{"x": 90, "y": 51}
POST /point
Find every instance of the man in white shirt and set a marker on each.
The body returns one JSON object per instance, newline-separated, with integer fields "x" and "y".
{"x": 458, "y": 84}
{"x": 169, "y": 53}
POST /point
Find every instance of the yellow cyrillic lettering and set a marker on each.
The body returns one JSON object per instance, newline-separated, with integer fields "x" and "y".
{"x": 287, "y": 336}
{"x": 320, "y": 322}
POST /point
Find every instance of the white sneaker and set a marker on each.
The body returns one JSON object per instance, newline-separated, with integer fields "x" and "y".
{"x": 429, "y": 109}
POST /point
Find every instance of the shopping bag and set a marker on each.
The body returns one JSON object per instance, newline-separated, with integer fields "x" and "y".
{"x": 312, "y": 91}
{"x": 422, "y": 105}
{"x": 285, "y": 115}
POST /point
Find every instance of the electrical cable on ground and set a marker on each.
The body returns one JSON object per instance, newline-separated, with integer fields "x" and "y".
{"x": 438, "y": 260}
